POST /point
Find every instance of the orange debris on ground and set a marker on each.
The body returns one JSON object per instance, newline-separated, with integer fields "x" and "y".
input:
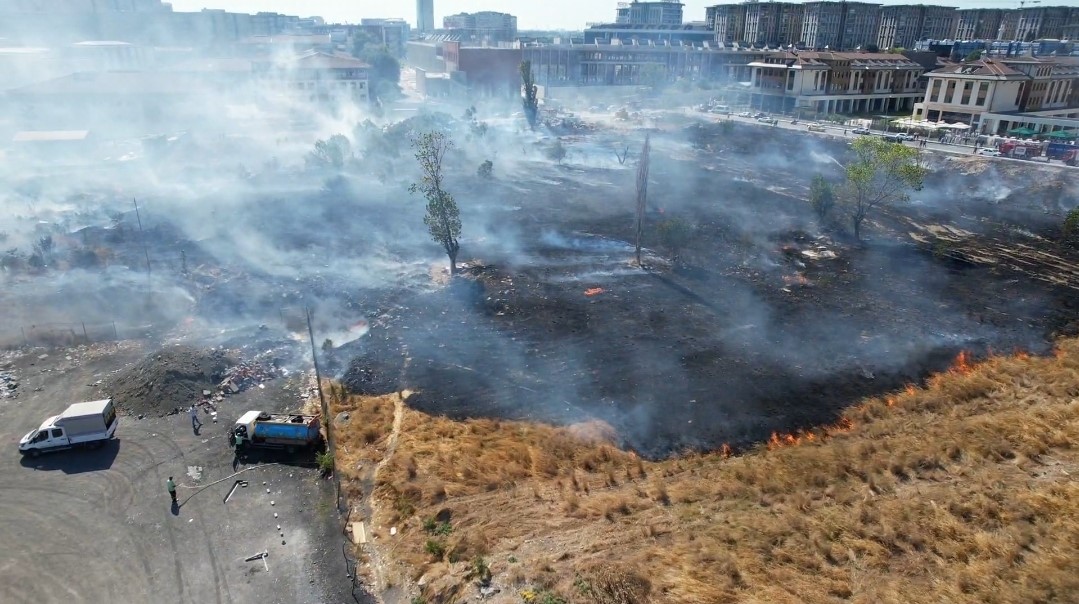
{"x": 595, "y": 291}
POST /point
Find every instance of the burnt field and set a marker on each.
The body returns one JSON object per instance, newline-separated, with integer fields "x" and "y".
{"x": 770, "y": 325}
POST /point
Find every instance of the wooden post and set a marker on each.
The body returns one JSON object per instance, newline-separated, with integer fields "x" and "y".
{"x": 115, "y": 335}
{"x": 25, "y": 341}
{"x": 86, "y": 337}
{"x": 642, "y": 193}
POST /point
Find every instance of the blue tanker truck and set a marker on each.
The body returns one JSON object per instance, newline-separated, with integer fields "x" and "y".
{"x": 290, "y": 432}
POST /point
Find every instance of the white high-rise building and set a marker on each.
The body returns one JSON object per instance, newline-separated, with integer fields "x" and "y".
{"x": 425, "y": 16}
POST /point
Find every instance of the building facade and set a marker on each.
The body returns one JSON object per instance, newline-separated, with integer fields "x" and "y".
{"x": 485, "y": 26}
{"x": 992, "y": 95}
{"x": 644, "y": 34}
{"x": 593, "y": 65}
{"x": 773, "y": 24}
{"x": 835, "y": 82}
{"x": 425, "y": 16}
{"x": 902, "y": 26}
{"x": 1032, "y": 23}
{"x": 728, "y": 22}
{"x": 977, "y": 24}
{"x": 840, "y": 25}
{"x": 657, "y": 12}
{"x": 393, "y": 33}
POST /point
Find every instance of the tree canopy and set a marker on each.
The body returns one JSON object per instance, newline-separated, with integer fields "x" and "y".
{"x": 443, "y": 218}
{"x": 882, "y": 174}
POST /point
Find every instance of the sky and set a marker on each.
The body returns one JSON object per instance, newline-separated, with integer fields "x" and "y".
{"x": 531, "y": 14}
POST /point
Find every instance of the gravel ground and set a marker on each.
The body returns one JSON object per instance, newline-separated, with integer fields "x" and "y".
{"x": 99, "y": 527}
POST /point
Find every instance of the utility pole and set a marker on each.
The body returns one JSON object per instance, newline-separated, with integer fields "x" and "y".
{"x": 146, "y": 252}
{"x": 318, "y": 380}
{"x": 642, "y": 193}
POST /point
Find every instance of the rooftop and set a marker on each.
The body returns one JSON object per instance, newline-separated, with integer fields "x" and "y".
{"x": 990, "y": 68}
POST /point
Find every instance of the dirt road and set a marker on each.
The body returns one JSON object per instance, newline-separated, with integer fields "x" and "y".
{"x": 98, "y": 526}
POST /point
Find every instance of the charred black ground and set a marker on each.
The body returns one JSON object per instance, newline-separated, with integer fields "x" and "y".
{"x": 771, "y": 327}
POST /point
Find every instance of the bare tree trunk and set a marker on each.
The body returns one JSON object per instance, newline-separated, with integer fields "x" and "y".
{"x": 642, "y": 194}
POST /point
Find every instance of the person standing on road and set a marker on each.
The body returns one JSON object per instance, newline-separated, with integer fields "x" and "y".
{"x": 195, "y": 423}
{"x": 171, "y": 486}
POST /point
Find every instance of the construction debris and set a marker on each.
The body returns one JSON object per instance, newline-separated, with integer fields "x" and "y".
{"x": 9, "y": 385}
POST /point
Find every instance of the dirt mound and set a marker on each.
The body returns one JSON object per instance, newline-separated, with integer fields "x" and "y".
{"x": 168, "y": 380}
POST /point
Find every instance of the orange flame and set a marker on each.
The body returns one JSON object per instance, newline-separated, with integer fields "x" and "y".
{"x": 962, "y": 363}
{"x": 725, "y": 451}
{"x": 595, "y": 291}
{"x": 910, "y": 389}
{"x": 796, "y": 279}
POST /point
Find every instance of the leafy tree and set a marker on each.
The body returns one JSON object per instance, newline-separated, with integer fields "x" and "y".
{"x": 486, "y": 170}
{"x": 1070, "y": 231}
{"x": 557, "y": 152}
{"x": 443, "y": 219}
{"x": 974, "y": 55}
{"x": 385, "y": 75}
{"x": 530, "y": 100}
{"x": 881, "y": 175}
{"x": 675, "y": 234}
{"x": 822, "y": 198}
{"x": 332, "y": 152}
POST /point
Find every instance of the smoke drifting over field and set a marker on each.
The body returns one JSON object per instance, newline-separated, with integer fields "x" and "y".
{"x": 772, "y": 324}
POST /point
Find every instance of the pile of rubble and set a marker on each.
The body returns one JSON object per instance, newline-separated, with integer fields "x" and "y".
{"x": 247, "y": 374}
{"x": 9, "y": 385}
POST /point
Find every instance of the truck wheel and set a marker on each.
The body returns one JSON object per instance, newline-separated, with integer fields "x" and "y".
{"x": 291, "y": 449}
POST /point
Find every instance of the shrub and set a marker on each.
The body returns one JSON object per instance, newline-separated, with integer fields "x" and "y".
{"x": 325, "y": 462}
{"x": 437, "y": 549}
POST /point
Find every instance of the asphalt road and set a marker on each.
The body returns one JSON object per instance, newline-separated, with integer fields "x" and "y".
{"x": 99, "y": 527}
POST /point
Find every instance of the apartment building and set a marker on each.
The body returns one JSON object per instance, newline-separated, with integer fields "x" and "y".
{"x": 835, "y": 82}
{"x": 425, "y": 16}
{"x": 1032, "y": 23}
{"x": 484, "y": 26}
{"x": 658, "y": 12}
{"x": 977, "y": 24}
{"x": 840, "y": 25}
{"x": 773, "y": 23}
{"x": 728, "y": 21}
{"x": 902, "y": 26}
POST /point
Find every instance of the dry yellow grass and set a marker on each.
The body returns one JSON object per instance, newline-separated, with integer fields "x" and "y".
{"x": 962, "y": 491}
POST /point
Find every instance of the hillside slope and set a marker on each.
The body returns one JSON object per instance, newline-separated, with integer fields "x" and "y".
{"x": 963, "y": 490}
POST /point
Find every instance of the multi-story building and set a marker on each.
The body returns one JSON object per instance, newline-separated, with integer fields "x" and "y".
{"x": 393, "y": 33}
{"x": 485, "y": 26}
{"x": 835, "y": 82}
{"x": 728, "y": 21}
{"x": 598, "y": 65}
{"x": 605, "y": 33}
{"x": 1032, "y": 23}
{"x": 902, "y": 26}
{"x": 656, "y": 12}
{"x": 425, "y": 16}
{"x": 993, "y": 95}
{"x": 773, "y": 23}
{"x": 977, "y": 24}
{"x": 840, "y": 25}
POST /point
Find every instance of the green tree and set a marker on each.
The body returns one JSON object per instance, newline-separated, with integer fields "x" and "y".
{"x": 443, "y": 219}
{"x": 881, "y": 174}
{"x": 675, "y": 234}
{"x": 486, "y": 170}
{"x": 821, "y": 198}
{"x": 974, "y": 55}
{"x": 1070, "y": 230}
{"x": 384, "y": 78}
{"x": 530, "y": 101}
{"x": 557, "y": 152}
{"x": 331, "y": 152}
